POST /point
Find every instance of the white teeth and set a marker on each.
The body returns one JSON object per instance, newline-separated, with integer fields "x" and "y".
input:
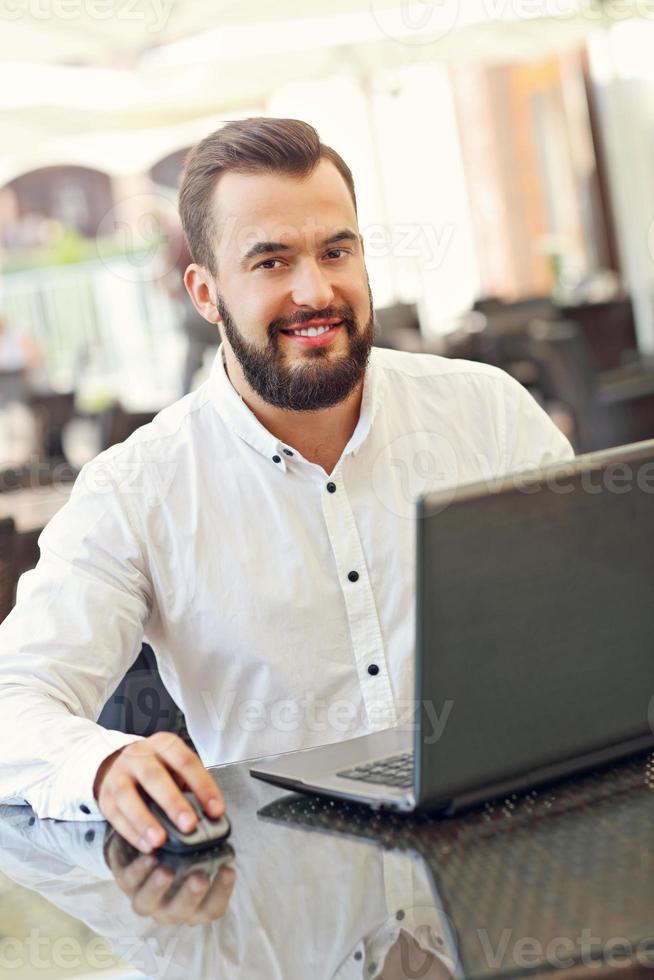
{"x": 311, "y": 331}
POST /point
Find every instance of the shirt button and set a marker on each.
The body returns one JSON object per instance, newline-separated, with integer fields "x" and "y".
{"x": 289, "y": 452}
{"x": 331, "y": 487}
{"x": 373, "y": 669}
{"x": 83, "y": 807}
{"x": 276, "y": 458}
{"x": 353, "y": 576}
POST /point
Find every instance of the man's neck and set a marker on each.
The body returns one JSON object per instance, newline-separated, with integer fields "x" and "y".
{"x": 320, "y": 436}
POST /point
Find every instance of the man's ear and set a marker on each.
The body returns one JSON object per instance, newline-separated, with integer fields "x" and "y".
{"x": 200, "y": 287}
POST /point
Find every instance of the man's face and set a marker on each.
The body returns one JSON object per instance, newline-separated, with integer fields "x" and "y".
{"x": 289, "y": 257}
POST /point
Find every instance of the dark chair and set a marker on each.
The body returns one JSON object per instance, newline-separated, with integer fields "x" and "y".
{"x": 521, "y": 310}
{"x": 609, "y": 408}
{"x": 117, "y": 424}
{"x": 13, "y": 387}
{"x": 609, "y": 330}
{"x": 52, "y": 411}
{"x": 141, "y": 705}
{"x": 397, "y": 327}
{"x": 7, "y": 566}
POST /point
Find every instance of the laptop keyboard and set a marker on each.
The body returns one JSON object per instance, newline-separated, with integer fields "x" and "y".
{"x": 394, "y": 770}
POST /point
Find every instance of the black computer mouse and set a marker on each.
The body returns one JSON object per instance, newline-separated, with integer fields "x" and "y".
{"x": 208, "y": 832}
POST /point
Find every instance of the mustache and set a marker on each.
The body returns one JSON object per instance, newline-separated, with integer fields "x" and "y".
{"x": 346, "y": 314}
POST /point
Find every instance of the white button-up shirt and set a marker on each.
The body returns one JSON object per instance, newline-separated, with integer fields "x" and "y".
{"x": 279, "y": 599}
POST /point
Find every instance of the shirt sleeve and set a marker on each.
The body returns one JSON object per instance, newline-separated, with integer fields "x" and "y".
{"x": 531, "y": 439}
{"x": 76, "y": 629}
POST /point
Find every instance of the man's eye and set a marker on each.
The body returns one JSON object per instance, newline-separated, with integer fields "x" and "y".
{"x": 343, "y": 251}
{"x": 266, "y": 264}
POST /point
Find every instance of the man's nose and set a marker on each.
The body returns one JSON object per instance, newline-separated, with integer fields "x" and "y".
{"x": 311, "y": 286}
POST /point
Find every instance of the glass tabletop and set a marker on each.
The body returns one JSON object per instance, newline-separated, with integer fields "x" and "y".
{"x": 556, "y": 880}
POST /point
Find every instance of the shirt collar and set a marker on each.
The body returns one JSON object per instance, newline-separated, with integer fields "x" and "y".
{"x": 244, "y": 423}
{"x": 238, "y": 417}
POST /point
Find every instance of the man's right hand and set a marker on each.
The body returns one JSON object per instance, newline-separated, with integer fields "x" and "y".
{"x": 159, "y": 765}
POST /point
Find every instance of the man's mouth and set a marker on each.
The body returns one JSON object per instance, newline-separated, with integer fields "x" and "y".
{"x": 314, "y": 328}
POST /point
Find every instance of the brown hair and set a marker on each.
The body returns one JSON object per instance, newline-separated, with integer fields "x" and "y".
{"x": 256, "y": 145}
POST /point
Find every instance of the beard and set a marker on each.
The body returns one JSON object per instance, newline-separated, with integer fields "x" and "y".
{"x": 321, "y": 380}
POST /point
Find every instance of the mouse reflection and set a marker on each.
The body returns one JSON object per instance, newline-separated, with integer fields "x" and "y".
{"x": 173, "y": 889}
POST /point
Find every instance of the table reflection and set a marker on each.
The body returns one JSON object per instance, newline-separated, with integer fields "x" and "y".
{"x": 559, "y": 879}
{"x": 295, "y": 906}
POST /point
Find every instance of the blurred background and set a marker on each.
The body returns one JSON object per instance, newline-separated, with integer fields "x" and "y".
{"x": 503, "y": 153}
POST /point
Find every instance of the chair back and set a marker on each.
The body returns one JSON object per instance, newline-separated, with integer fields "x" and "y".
{"x": 397, "y": 326}
{"x": 7, "y": 566}
{"x": 566, "y": 373}
{"x": 13, "y": 387}
{"x": 117, "y": 424}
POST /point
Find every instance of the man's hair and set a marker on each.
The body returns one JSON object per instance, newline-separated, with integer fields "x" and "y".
{"x": 246, "y": 146}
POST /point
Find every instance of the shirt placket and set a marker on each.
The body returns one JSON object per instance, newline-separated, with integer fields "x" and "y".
{"x": 365, "y": 630}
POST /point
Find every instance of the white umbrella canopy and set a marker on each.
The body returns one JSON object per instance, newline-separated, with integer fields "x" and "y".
{"x": 103, "y": 31}
{"x": 74, "y": 68}
{"x": 96, "y": 31}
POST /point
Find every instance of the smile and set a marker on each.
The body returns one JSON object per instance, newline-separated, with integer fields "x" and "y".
{"x": 316, "y": 332}
{"x": 308, "y": 332}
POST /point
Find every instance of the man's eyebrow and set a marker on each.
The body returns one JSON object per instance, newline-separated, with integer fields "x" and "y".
{"x": 344, "y": 235}
{"x": 265, "y": 248}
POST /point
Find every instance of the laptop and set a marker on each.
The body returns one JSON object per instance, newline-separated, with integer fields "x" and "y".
{"x": 534, "y": 642}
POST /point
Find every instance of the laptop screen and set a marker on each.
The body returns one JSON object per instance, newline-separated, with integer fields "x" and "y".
{"x": 535, "y": 620}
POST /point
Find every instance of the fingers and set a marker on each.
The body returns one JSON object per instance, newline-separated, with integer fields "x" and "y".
{"x": 124, "y": 827}
{"x": 125, "y": 809}
{"x": 150, "y": 896}
{"x": 183, "y": 761}
{"x": 152, "y": 776}
{"x": 161, "y": 765}
{"x": 131, "y": 877}
{"x": 183, "y": 905}
{"x": 197, "y": 901}
{"x": 215, "y": 904}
